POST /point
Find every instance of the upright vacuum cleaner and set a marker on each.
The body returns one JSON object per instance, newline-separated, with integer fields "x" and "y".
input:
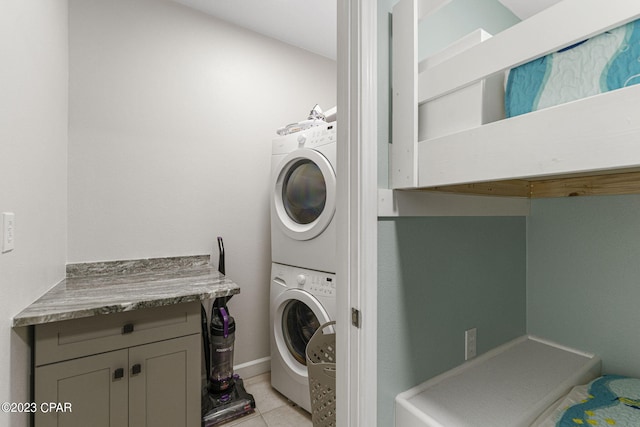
{"x": 224, "y": 396}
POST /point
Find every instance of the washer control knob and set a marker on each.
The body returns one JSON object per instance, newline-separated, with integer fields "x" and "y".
{"x": 302, "y": 138}
{"x": 301, "y": 279}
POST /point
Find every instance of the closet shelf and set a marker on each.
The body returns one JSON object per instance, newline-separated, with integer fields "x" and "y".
{"x": 614, "y": 183}
{"x": 586, "y": 147}
{"x": 405, "y": 203}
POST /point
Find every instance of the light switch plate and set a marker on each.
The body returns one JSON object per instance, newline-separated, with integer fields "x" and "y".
{"x": 8, "y": 231}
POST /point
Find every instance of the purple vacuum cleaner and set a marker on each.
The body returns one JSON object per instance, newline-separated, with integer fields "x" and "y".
{"x": 224, "y": 396}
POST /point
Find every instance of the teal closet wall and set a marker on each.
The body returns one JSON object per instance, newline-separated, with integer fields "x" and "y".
{"x": 583, "y": 280}
{"x": 438, "y": 277}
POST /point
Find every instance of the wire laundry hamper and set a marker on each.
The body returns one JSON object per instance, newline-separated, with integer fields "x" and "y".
{"x": 321, "y": 364}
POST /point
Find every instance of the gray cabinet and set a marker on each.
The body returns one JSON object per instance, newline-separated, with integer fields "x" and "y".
{"x": 127, "y": 369}
{"x": 98, "y": 399}
{"x": 161, "y": 394}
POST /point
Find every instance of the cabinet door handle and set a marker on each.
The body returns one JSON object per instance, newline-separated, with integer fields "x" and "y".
{"x": 118, "y": 373}
{"x": 127, "y": 329}
{"x": 136, "y": 369}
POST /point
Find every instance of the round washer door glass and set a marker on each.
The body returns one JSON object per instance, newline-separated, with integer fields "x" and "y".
{"x": 304, "y": 192}
{"x": 298, "y": 326}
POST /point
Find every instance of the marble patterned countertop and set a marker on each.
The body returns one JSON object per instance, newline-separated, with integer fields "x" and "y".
{"x": 110, "y": 287}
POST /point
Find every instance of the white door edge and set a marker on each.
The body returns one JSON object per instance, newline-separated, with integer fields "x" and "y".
{"x": 356, "y": 213}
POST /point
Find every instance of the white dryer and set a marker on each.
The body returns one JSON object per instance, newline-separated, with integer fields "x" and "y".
{"x": 303, "y": 199}
{"x": 301, "y": 301}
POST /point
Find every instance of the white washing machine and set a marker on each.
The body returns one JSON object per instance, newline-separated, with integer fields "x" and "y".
{"x": 301, "y": 301}
{"x": 303, "y": 199}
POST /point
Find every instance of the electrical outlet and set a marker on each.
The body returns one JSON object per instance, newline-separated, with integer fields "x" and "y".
{"x": 470, "y": 336}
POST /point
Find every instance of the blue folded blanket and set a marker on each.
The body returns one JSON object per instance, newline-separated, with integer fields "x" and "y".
{"x": 613, "y": 401}
{"x": 600, "y": 64}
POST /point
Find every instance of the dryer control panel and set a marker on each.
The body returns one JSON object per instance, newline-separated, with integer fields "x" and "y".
{"x": 317, "y": 136}
{"x": 308, "y": 138}
{"x": 317, "y": 283}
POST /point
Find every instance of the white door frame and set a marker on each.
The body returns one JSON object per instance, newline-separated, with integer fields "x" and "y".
{"x": 356, "y": 214}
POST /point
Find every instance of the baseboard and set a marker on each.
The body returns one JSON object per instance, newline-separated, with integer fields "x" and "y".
{"x": 253, "y": 367}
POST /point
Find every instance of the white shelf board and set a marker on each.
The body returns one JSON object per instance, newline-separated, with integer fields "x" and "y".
{"x": 596, "y": 134}
{"x": 590, "y": 136}
{"x": 506, "y": 387}
{"x": 564, "y": 24}
{"x": 398, "y": 203}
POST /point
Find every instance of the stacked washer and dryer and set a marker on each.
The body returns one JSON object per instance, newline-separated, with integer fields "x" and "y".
{"x": 303, "y": 249}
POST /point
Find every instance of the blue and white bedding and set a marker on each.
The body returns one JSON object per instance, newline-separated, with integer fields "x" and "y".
{"x": 600, "y": 64}
{"x": 611, "y": 400}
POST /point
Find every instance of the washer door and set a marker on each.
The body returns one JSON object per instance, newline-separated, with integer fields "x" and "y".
{"x": 298, "y": 314}
{"x": 304, "y": 194}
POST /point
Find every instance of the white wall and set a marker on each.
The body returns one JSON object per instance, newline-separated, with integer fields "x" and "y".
{"x": 172, "y": 113}
{"x": 33, "y": 173}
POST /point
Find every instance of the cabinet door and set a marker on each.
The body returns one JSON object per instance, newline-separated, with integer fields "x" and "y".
{"x": 92, "y": 385}
{"x": 164, "y": 383}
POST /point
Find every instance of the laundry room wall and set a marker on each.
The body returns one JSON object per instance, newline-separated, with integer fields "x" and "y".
{"x": 172, "y": 113}
{"x": 33, "y": 174}
{"x": 438, "y": 277}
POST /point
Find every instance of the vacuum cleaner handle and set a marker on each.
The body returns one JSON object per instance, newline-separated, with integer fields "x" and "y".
{"x": 221, "y": 259}
{"x": 220, "y": 302}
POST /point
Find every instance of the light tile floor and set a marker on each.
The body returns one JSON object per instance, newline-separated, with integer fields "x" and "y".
{"x": 272, "y": 408}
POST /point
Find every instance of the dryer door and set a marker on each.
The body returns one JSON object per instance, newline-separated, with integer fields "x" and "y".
{"x": 297, "y": 316}
{"x": 304, "y": 195}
